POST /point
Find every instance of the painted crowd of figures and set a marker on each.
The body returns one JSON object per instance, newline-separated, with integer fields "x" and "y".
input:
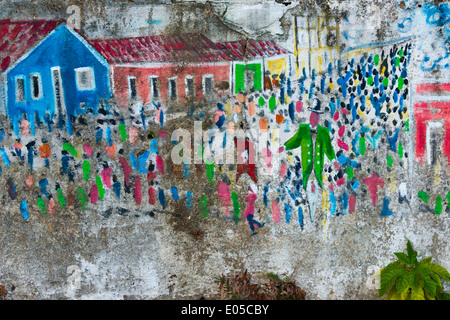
{"x": 67, "y": 100}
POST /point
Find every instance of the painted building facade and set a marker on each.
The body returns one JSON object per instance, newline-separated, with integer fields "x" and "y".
{"x": 316, "y": 43}
{"x": 61, "y": 75}
{"x": 56, "y": 71}
{"x": 256, "y": 65}
{"x": 432, "y": 116}
{"x": 165, "y": 69}
{"x": 17, "y": 38}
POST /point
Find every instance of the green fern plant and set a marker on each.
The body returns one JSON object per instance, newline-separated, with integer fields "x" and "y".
{"x": 410, "y": 279}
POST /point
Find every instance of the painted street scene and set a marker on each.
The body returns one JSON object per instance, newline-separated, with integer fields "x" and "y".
{"x": 148, "y": 148}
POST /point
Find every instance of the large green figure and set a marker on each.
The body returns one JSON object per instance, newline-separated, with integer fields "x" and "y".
{"x": 309, "y": 157}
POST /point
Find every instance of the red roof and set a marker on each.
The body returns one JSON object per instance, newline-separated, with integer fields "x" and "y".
{"x": 18, "y": 37}
{"x": 242, "y": 50}
{"x": 163, "y": 48}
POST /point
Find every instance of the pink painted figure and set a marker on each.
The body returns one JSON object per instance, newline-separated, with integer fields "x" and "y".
{"x": 299, "y": 106}
{"x": 94, "y": 194}
{"x": 223, "y": 191}
{"x": 218, "y": 114}
{"x": 352, "y": 203}
{"x": 88, "y": 149}
{"x": 25, "y": 126}
{"x": 51, "y": 206}
{"x": 137, "y": 190}
{"x": 160, "y": 164}
{"x": 133, "y": 133}
{"x": 126, "y": 170}
{"x": 106, "y": 177}
{"x": 29, "y": 181}
{"x": 267, "y": 156}
{"x": 249, "y": 213}
{"x": 283, "y": 170}
{"x": 275, "y": 211}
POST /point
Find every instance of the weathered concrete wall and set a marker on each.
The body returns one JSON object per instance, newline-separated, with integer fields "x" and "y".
{"x": 175, "y": 249}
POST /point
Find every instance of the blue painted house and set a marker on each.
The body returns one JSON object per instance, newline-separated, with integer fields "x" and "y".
{"x": 61, "y": 75}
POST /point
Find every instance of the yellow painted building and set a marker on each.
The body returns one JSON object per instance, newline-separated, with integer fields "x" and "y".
{"x": 278, "y": 66}
{"x": 316, "y": 43}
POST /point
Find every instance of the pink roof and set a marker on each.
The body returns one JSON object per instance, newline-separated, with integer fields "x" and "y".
{"x": 241, "y": 50}
{"x": 163, "y": 48}
{"x": 18, "y": 37}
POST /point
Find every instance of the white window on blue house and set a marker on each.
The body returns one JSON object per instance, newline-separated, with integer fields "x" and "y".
{"x": 20, "y": 88}
{"x": 85, "y": 78}
{"x": 36, "y": 86}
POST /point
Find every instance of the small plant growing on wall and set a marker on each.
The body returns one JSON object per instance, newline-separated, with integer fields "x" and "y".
{"x": 410, "y": 279}
{"x": 240, "y": 287}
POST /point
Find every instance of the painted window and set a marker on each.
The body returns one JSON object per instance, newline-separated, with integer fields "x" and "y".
{"x": 58, "y": 90}
{"x": 249, "y": 79}
{"x": 173, "y": 88}
{"x": 208, "y": 84}
{"x": 20, "y": 89}
{"x": 154, "y": 87}
{"x": 132, "y": 89}
{"x": 190, "y": 86}
{"x": 85, "y": 78}
{"x": 36, "y": 86}
{"x": 243, "y": 75}
{"x": 434, "y": 141}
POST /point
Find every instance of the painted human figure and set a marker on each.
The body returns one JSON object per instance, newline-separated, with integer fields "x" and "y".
{"x": 31, "y": 152}
{"x": 304, "y": 138}
{"x": 65, "y": 168}
{"x": 312, "y": 158}
{"x": 18, "y": 149}
{"x": 219, "y": 116}
{"x": 45, "y": 152}
{"x": 247, "y": 160}
{"x": 373, "y": 183}
{"x": 249, "y": 213}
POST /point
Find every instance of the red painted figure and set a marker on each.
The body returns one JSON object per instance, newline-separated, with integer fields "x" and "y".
{"x": 373, "y": 182}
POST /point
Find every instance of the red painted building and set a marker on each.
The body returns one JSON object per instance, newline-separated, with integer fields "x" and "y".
{"x": 432, "y": 115}
{"x": 165, "y": 68}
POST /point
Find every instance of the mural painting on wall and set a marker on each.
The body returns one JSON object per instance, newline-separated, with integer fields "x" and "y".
{"x": 268, "y": 135}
